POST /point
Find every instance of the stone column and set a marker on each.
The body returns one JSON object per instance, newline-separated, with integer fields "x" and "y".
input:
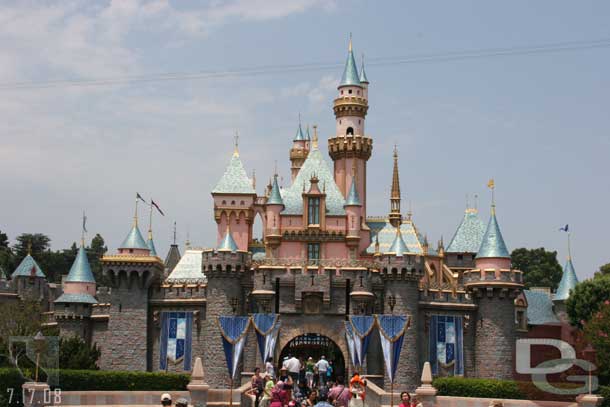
{"x": 197, "y": 387}
{"x": 426, "y": 393}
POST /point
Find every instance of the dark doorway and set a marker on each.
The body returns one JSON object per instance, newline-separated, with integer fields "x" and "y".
{"x": 315, "y": 345}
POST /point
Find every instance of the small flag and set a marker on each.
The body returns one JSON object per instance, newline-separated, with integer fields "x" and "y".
{"x": 564, "y": 229}
{"x": 138, "y": 196}
{"x": 156, "y": 206}
{"x": 491, "y": 184}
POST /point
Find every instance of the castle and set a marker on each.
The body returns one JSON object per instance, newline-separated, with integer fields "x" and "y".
{"x": 322, "y": 258}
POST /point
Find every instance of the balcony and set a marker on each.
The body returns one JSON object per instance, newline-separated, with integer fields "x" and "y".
{"x": 316, "y": 263}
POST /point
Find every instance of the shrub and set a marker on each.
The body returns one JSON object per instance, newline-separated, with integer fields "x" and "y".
{"x": 481, "y": 388}
{"x": 10, "y": 381}
{"x": 604, "y": 391}
{"x": 75, "y": 380}
{"x": 74, "y": 353}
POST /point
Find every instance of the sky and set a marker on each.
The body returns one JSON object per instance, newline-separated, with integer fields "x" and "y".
{"x": 537, "y": 123}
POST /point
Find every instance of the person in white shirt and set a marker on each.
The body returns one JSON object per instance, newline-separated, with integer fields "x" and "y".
{"x": 293, "y": 365}
{"x": 322, "y": 366}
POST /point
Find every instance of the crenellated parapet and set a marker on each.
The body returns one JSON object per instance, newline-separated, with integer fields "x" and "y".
{"x": 505, "y": 282}
{"x": 348, "y": 146}
{"x": 350, "y": 106}
{"x": 129, "y": 272}
{"x": 216, "y": 263}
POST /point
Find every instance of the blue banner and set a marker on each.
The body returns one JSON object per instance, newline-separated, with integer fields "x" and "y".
{"x": 392, "y": 332}
{"x": 446, "y": 345}
{"x": 362, "y": 328}
{"x": 233, "y": 330}
{"x": 176, "y": 339}
{"x": 267, "y": 327}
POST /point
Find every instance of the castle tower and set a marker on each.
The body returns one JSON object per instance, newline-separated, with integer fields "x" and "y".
{"x": 567, "y": 283}
{"x": 353, "y": 211}
{"x": 173, "y": 256}
{"x": 401, "y": 277}
{"x": 299, "y": 151}
{"x": 224, "y": 269}
{"x": 494, "y": 286}
{"x": 350, "y": 145}
{"x": 73, "y": 307}
{"x": 395, "y": 215}
{"x": 29, "y": 281}
{"x": 131, "y": 272}
{"x": 234, "y": 198}
{"x": 273, "y": 206}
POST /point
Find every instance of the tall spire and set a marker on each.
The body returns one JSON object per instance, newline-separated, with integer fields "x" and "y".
{"x": 363, "y": 78}
{"x": 398, "y": 247}
{"x": 315, "y": 137}
{"x": 299, "y": 136}
{"x": 492, "y": 245}
{"x": 395, "y": 216}
{"x": 350, "y": 72}
{"x": 275, "y": 198}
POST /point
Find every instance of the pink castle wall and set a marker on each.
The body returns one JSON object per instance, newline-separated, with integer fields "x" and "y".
{"x": 79, "y": 288}
{"x": 493, "y": 263}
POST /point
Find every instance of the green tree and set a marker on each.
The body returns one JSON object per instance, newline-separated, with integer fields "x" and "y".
{"x": 39, "y": 242}
{"x": 96, "y": 251}
{"x": 74, "y": 353}
{"x": 597, "y": 332}
{"x": 540, "y": 267}
{"x": 19, "y": 318}
{"x": 3, "y": 241}
{"x": 603, "y": 271}
{"x": 6, "y": 256}
{"x": 586, "y": 299}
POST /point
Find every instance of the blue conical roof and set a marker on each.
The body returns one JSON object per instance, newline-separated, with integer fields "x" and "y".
{"x": 234, "y": 180}
{"x": 275, "y": 198}
{"x": 352, "y": 197}
{"x": 398, "y": 247}
{"x": 363, "y": 78}
{"x": 469, "y": 235}
{"x": 151, "y": 245}
{"x": 27, "y": 268}
{"x": 228, "y": 243}
{"x": 350, "y": 72}
{"x": 492, "y": 245}
{"x": 134, "y": 240}
{"x": 299, "y": 136}
{"x": 567, "y": 283}
{"x": 80, "y": 272}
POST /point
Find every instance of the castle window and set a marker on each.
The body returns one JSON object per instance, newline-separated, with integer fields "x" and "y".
{"x": 460, "y": 257}
{"x": 349, "y": 131}
{"x": 358, "y": 92}
{"x": 232, "y": 202}
{"x": 349, "y": 91}
{"x": 313, "y": 215}
{"x": 342, "y": 92}
{"x": 313, "y": 251}
{"x": 242, "y": 203}
{"x": 224, "y": 202}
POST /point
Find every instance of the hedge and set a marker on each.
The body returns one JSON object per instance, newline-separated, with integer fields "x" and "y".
{"x": 604, "y": 391}
{"x": 78, "y": 380}
{"x": 481, "y": 388}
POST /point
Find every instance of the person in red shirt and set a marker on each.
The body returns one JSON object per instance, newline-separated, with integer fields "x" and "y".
{"x": 339, "y": 395}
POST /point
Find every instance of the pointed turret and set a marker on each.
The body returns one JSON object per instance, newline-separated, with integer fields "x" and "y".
{"x": 350, "y": 75}
{"x": 492, "y": 245}
{"x": 80, "y": 272}
{"x": 352, "y": 197}
{"x": 28, "y": 268}
{"x": 134, "y": 240}
{"x": 395, "y": 215}
{"x": 228, "y": 243}
{"x": 173, "y": 255}
{"x": 275, "y": 197}
{"x": 151, "y": 244}
{"x": 567, "y": 283}
{"x": 398, "y": 247}
{"x": 235, "y": 179}
{"x": 299, "y": 136}
{"x": 363, "y": 79}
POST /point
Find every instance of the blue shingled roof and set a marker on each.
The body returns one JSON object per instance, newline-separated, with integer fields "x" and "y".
{"x": 188, "y": 269}
{"x": 134, "y": 240}
{"x": 492, "y": 245}
{"x": 539, "y": 308}
{"x": 469, "y": 235}
{"x": 398, "y": 247}
{"x": 350, "y": 72}
{"x": 275, "y": 198}
{"x": 80, "y": 272}
{"x": 234, "y": 180}
{"x": 352, "y": 197}
{"x": 567, "y": 283}
{"x": 228, "y": 243}
{"x": 387, "y": 235}
{"x": 363, "y": 78}
{"x": 76, "y": 298}
{"x": 315, "y": 164}
{"x": 27, "y": 268}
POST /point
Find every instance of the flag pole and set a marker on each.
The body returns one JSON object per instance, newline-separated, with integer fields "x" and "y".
{"x": 392, "y": 393}
{"x": 150, "y": 220}
{"x": 135, "y": 217}
{"x": 231, "y": 394}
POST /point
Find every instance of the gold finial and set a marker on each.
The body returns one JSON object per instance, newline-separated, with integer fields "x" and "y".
{"x": 569, "y": 247}
{"x": 350, "y": 43}
{"x": 315, "y": 136}
{"x": 150, "y": 221}
{"x": 476, "y": 202}
{"x": 135, "y": 216}
{"x": 377, "y": 244}
{"x": 492, "y": 185}
{"x": 236, "y": 141}
{"x": 254, "y": 179}
{"x": 82, "y": 236}
{"x": 410, "y": 212}
{"x": 30, "y": 247}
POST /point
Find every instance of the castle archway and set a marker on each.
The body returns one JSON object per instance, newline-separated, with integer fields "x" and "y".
{"x": 315, "y": 345}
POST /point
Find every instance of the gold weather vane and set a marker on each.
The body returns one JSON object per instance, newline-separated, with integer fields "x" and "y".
{"x": 492, "y": 185}
{"x": 350, "y": 42}
{"x": 236, "y": 142}
{"x": 315, "y": 136}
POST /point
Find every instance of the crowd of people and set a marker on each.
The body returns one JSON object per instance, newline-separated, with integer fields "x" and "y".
{"x": 309, "y": 383}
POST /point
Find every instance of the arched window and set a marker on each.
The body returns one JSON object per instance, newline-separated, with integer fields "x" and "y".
{"x": 349, "y": 91}
{"x": 313, "y": 217}
{"x": 232, "y": 202}
{"x": 242, "y": 203}
{"x": 224, "y": 202}
{"x": 349, "y": 131}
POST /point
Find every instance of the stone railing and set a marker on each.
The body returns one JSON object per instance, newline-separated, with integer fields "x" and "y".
{"x": 321, "y": 263}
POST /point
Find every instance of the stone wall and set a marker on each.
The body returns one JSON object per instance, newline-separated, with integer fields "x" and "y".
{"x": 494, "y": 337}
